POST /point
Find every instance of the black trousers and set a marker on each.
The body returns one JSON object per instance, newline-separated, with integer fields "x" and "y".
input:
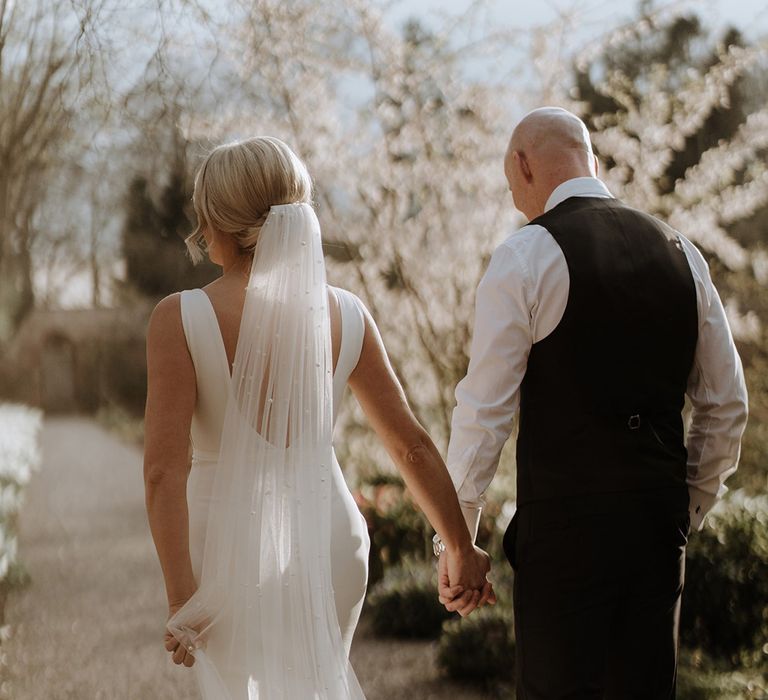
{"x": 597, "y": 598}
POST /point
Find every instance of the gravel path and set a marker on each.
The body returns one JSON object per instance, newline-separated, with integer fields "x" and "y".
{"x": 89, "y": 625}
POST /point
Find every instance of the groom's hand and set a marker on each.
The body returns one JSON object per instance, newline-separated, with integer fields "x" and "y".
{"x": 462, "y": 580}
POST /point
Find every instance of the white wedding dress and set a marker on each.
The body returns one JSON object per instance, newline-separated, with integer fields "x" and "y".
{"x": 349, "y": 536}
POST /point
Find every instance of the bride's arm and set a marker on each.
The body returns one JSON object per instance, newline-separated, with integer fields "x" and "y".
{"x": 171, "y": 396}
{"x": 381, "y": 397}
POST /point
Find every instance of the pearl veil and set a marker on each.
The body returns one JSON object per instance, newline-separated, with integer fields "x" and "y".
{"x": 263, "y": 624}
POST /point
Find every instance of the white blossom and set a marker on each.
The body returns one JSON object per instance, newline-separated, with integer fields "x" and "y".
{"x": 19, "y": 457}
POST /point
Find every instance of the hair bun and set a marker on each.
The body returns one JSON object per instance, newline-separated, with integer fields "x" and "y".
{"x": 235, "y": 185}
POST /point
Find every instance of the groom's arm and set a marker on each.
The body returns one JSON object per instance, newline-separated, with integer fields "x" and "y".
{"x": 718, "y": 396}
{"x": 488, "y": 397}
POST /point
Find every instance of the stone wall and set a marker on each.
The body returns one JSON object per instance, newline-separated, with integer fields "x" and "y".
{"x": 68, "y": 360}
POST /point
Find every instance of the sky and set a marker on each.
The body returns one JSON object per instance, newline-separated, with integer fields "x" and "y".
{"x": 751, "y": 16}
{"x": 535, "y": 59}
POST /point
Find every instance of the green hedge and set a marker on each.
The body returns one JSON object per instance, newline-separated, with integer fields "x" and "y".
{"x": 399, "y": 531}
{"x": 479, "y": 648}
{"x": 404, "y": 603}
{"x": 703, "y": 678}
{"x": 725, "y": 601}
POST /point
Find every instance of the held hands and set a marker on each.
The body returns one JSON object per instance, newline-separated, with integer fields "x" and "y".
{"x": 462, "y": 581}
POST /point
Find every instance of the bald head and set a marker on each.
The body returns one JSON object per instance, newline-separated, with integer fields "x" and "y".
{"x": 549, "y": 131}
{"x": 549, "y": 146}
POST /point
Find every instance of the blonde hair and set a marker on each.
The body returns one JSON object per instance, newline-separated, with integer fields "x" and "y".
{"x": 236, "y": 185}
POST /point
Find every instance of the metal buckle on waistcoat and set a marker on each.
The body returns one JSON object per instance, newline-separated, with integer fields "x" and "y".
{"x": 634, "y": 422}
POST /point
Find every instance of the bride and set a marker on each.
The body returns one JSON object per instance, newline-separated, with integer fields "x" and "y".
{"x": 263, "y": 550}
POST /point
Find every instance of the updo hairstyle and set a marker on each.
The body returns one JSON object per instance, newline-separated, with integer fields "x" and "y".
{"x": 236, "y": 185}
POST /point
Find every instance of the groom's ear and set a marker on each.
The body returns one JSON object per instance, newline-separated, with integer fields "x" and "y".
{"x": 525, "y": 168}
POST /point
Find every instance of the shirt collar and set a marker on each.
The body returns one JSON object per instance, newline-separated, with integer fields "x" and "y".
{"x": 577, "y": 187}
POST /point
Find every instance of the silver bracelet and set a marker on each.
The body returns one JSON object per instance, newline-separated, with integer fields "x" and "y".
{"x": 438, "y": 546}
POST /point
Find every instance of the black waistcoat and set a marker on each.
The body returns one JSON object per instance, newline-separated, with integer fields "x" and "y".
{"x": 601, "y": 401}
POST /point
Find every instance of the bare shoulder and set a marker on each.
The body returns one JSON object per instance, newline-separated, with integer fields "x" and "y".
{"x": 170, "y": 368}
{"x": 373, "y": 355}
{"x": 166, "y": 309}
{"x": 171, "y": 388}
{"x": 165, "y": 329}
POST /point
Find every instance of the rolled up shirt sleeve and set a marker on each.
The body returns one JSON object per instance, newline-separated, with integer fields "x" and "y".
{"x": 718, "y": 396}
{"x": 488, "y": 397}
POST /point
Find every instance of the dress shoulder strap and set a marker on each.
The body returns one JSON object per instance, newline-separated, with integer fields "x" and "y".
{"x": 352, "y": 331}
{"x": 203, "y": 335}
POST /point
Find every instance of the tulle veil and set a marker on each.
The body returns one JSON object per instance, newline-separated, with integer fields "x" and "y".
{"x": 263, "y": 624}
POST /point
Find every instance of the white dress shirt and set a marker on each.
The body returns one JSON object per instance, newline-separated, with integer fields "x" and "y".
{"x": 520, "y": 301}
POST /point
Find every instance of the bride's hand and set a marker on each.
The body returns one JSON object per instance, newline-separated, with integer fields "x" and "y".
{"x": 179, "y": 654}
{"x": 462, "y": 581}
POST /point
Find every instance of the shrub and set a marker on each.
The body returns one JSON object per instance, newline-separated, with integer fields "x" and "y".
{"x": 404, "y": 603}
{"x": 702, "y": 678}
{"x": 725, "y": 602}
{"x": 399, "y": 531}
{"x": 479, "y": 648}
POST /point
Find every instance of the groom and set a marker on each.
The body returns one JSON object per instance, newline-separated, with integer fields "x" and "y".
{"x": 595, "y": 321}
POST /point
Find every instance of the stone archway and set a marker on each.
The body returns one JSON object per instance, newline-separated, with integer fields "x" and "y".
{"x": 57, "y": 374}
